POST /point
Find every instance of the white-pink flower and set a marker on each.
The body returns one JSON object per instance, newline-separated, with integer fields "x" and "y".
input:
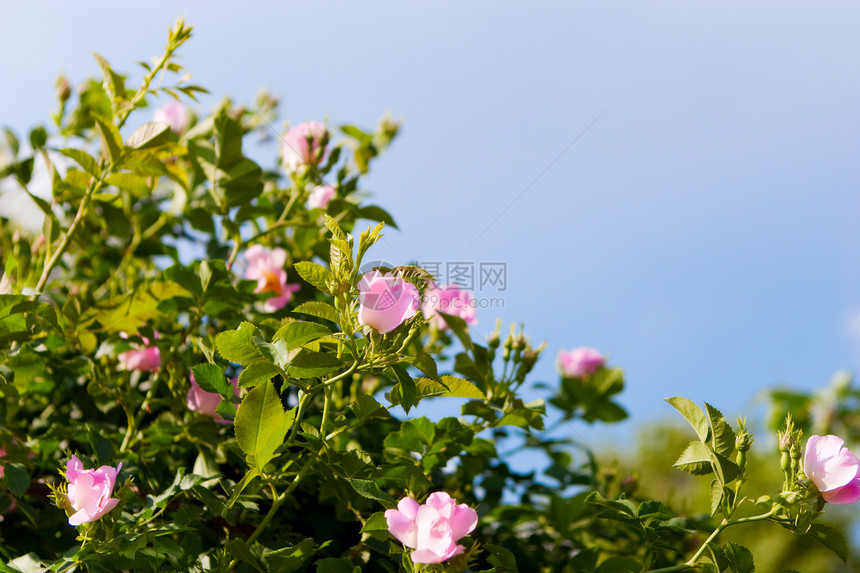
{"x": 266, "y": 266}
{"x": 295, "y": 149}
{"x": 450, "y": 299}
{"x": 319, "y": 196}
{"x": 431, "y": 529}
{"x": 173, "y": 114}
{"x": 833, "y": 469}
{"x": 90, "y": 491}
{"x": 146, "y": 358}
{"x": 579, "y": 362}
{"x": 386, "y": 301}
{"x": 203, "y": 402}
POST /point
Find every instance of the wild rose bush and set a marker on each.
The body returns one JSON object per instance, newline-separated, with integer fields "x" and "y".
{"x": 201, "y": 333}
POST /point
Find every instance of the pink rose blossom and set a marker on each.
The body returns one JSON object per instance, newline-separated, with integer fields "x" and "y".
{"x": 386, "y": 301}
{"x": 295, "y": 150}
{"x": 320, "y": 196}
{"x": 266, "y": 266}
{"x": 433, "y": 528}
{"x": 89, "y": 491}
{"x": 449, "y": 299}
{"x": 832, "y": 468}
{"x": 579, "y": 362}
{"x": 173, "y": 114}
{"x": 145, "y": 359}
{"x": 203, "y": 402}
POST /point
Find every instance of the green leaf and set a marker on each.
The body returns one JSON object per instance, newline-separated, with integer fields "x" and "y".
{"x": 211, "y": 378}
{"x": 307, "y": 364}
{"x": 696, "y": 459}
{"x": 261, "y": 425}
{"x": 366, "y": 406}
{"x": 288, "y": 559}
{"x": 238, "y": 345}
{"x": 830, "y": 537}
{"x": 150, "y": 134}
{"x": 334, "y": 565}
{"x": 16, "y": 479}
{"x": 501, "y": 559}
{"x": 376, "y": 213}
{"x": 82, "y": 158}
{"x": 368, "y": 488}
{"x": 693, "y": 415}
{"x": 456, "y": 388}
{"x": 256, "y": 373}
{"x": 315, "y": 274}
{"x": 739, "y": 557}
{"x": 716, "y": 496}
{"x": 240, "y": 549}
{"x": 298, "y": 333}
{"x": 319, "y": 310}
{"x": 459, "y": 327}
{"x": 722, "y": 435}
{"x": 425, "y": 363}
{"x": 110, "y": 138}
{"x": 134, "y": 184}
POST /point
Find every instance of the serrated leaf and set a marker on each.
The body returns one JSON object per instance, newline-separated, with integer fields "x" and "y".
{"x": 82, "y": 158}
{"x": 238, "y": 345}
{"x": 319, "y": 310}
{"x": 695, "y": 459}
{"x": 366, "y": 406}
{"x": 315, "y": 274}
{"x": 739, "y": 557}
{"x": 502, "y": 560}
{"x": 298, "y": 333}
{"x": 110, "y": 138}
{"x": 134, "y": 184}
{"x": 211, "y": 378}
{"x": 425, "y": 363}
{"x": 722, "y": 435}
{"x": 456, "y": 388}
{"x": 150, "y": 134}
{"x": 261, "y": 425}
{"x": 257, "y": 373}
{"x": 16, "y": 478}
{"x": 716, "y": 496}
{"x": 693, "y": 414}
{"x": 831, "y": 538}
{"x": 368, "y": 488}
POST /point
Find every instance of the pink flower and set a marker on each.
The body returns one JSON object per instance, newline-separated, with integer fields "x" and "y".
{"x": 386, "y": 301}
{"x": 580, "y": 362}
{"x": 203, "y": 402}
{"x": 2, "y": 455}
{"x": 90, "y": 491}
{"x": 174, "y": 114}
{"x": 266, "y": 266}
{"x": 294, "y": 145}
{"x": 449, "y": 299}
{"x": 320, "y": 196}
{"x": 433, "y": 528}
{"x": 832, "y": 468}
{"x": 145, "y": 359}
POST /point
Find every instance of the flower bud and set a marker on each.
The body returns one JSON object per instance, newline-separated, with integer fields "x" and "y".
{"x": 64, "y": 90}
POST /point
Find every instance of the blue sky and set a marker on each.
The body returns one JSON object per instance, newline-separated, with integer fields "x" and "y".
{"x": 702, "y": 232}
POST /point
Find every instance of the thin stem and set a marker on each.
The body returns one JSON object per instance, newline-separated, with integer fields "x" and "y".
{"x": 704, "y": 547}
{"x": 144, "y": 409}
{"x": 94, "y": 186}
